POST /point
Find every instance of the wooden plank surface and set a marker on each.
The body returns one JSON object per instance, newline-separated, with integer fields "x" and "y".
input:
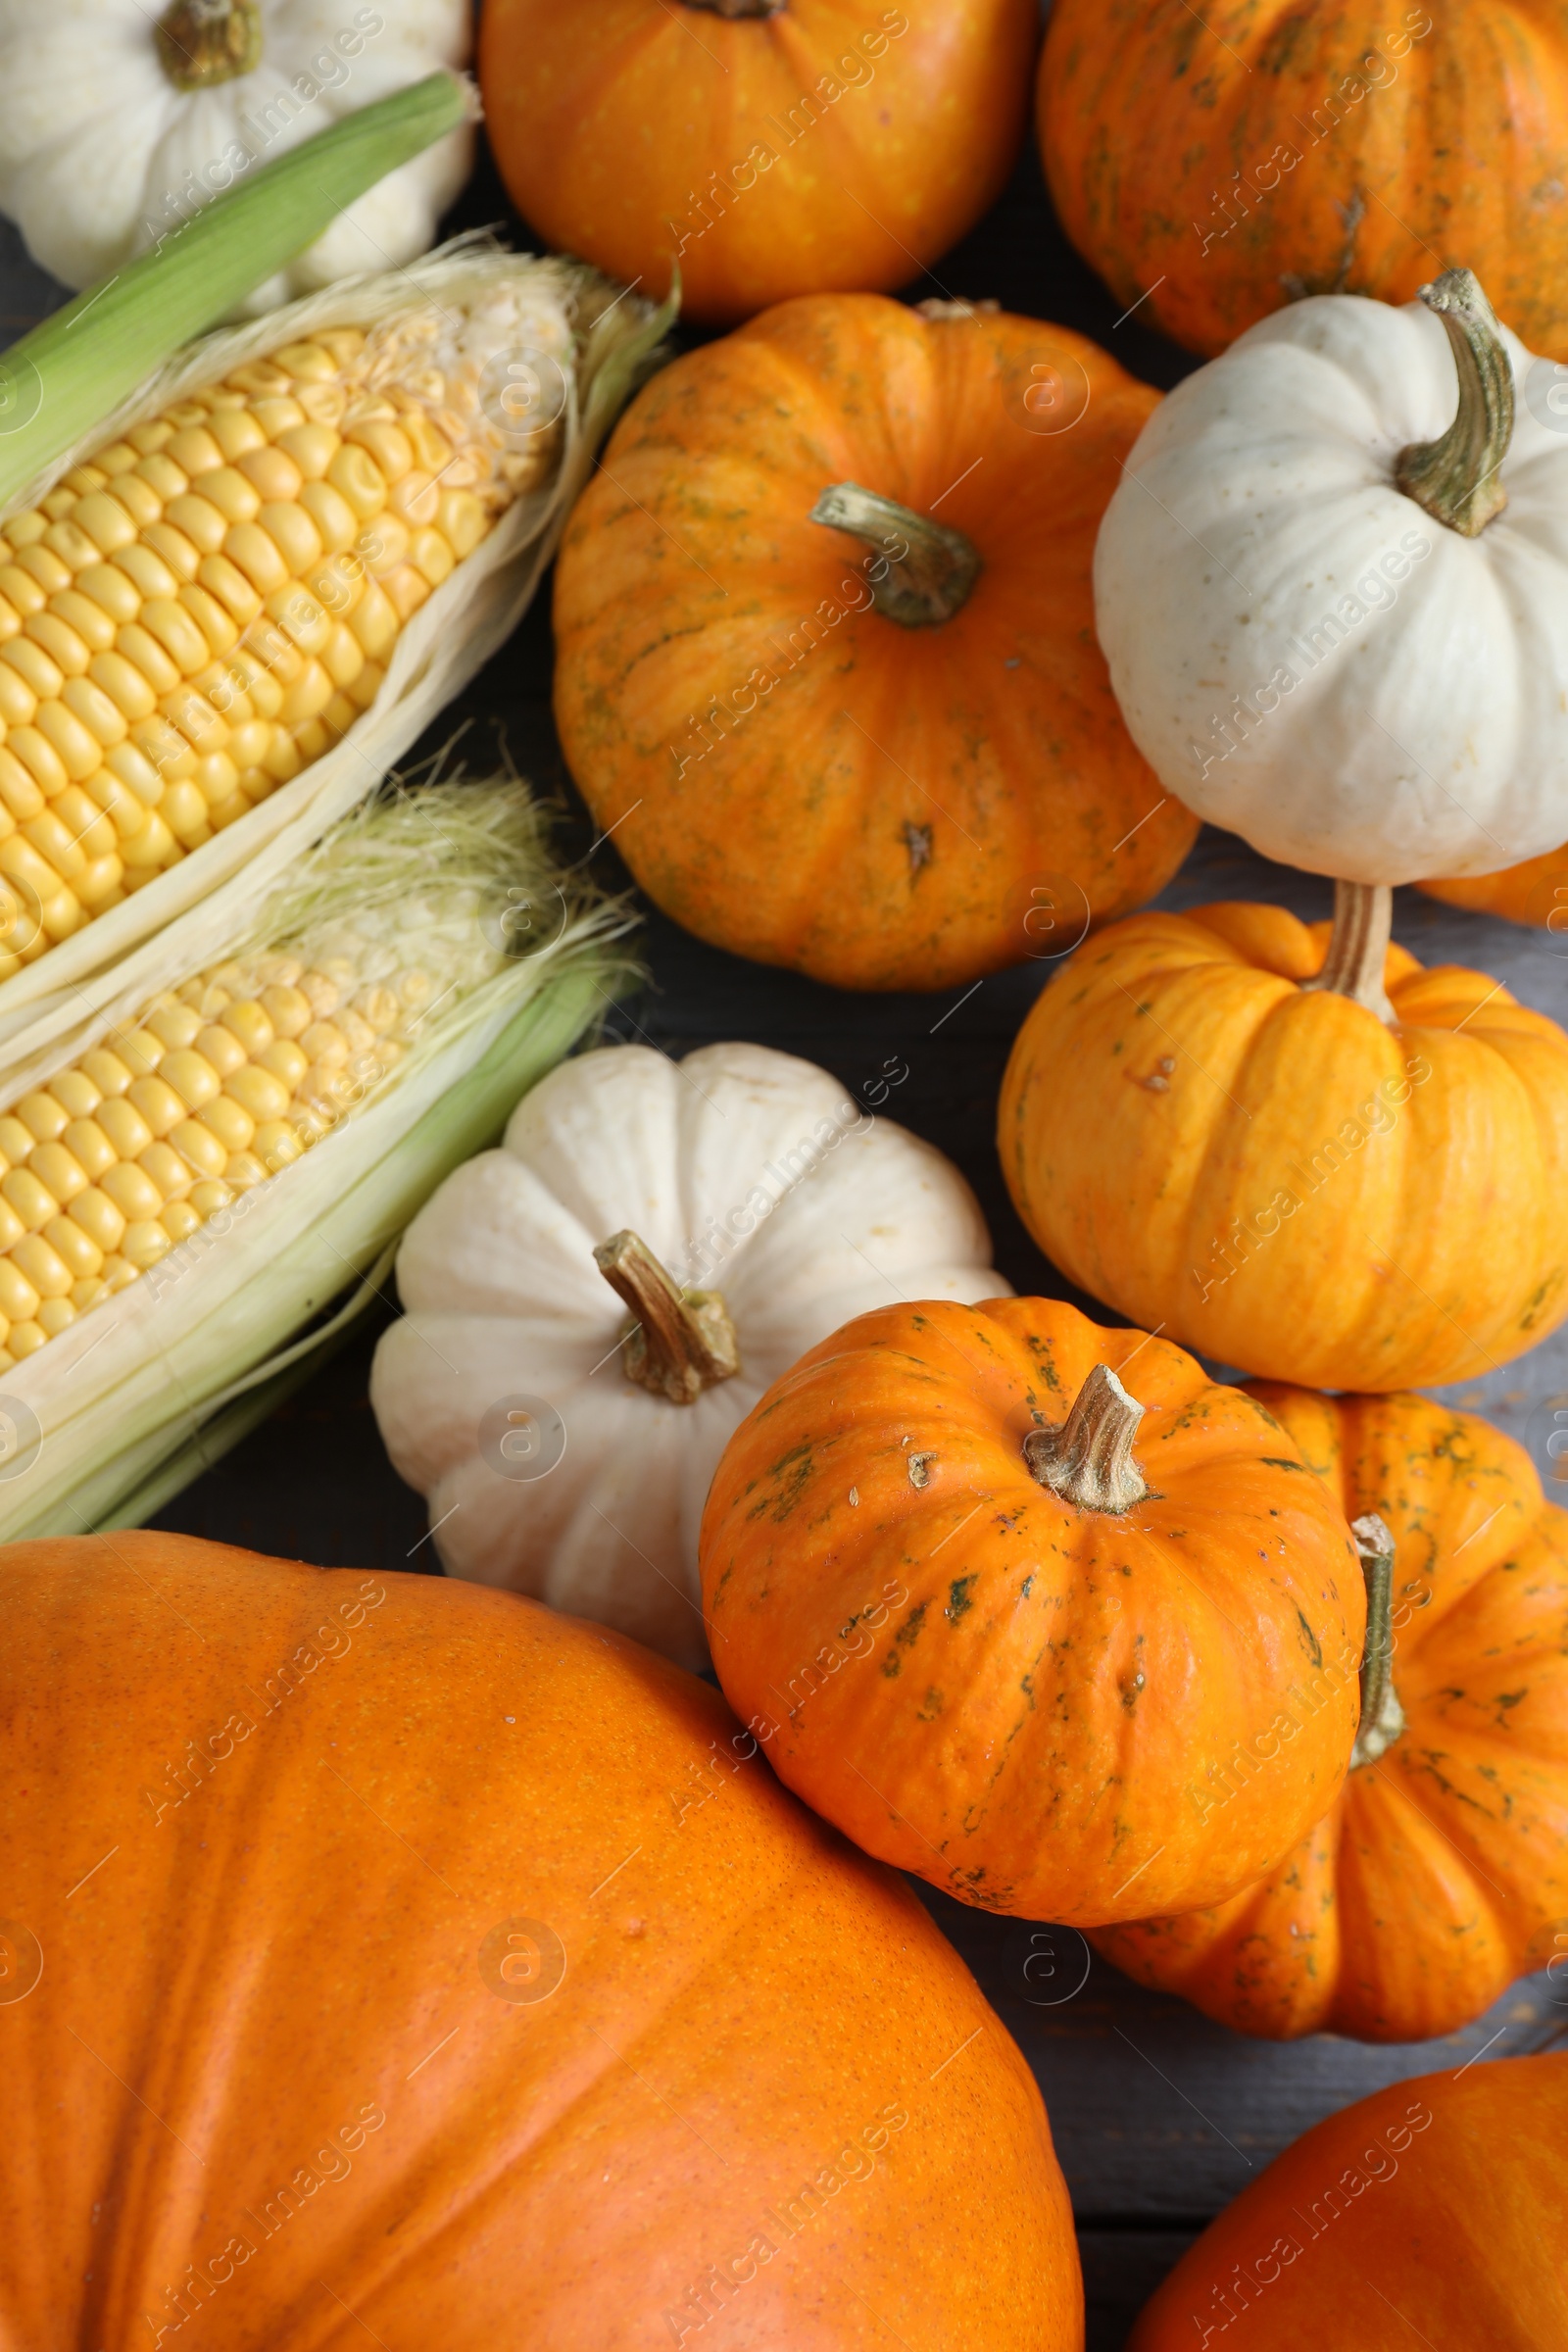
{"x": 1159, "y": 2117}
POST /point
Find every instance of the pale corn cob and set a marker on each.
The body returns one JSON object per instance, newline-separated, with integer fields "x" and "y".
{"x": 223, "y": 1082}
{"x": 198, "y": 611}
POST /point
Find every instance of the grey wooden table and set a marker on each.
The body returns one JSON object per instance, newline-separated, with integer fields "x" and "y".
{"x": 1159, "y": 2117}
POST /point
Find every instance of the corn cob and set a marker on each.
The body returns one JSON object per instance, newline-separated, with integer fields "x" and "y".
{"x": 206, "y": 604}
{"x": 222, "y": 1082}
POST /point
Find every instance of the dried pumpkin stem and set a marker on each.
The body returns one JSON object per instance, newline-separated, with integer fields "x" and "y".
{"x": 1382, "y": 1716}
{"x": 923, "y": 573}
{"x": 679, "y": 1341}
{"x": 1089, "y": 1459}
{"x": 204, "y": 42}
{"x": 1455, "y": 477}
{"x": 1363, "y": 918}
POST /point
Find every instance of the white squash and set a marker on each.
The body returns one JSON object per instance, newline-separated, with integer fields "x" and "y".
{"x": 1366, "y": 679}
{"x": 117, "y": 121}
{"x": 505, "y": 1395}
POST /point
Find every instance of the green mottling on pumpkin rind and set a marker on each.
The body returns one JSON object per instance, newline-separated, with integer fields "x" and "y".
{"x": 959, "y": 1600}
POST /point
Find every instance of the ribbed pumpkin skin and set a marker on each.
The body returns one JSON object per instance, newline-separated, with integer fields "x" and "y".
{"x": 1025, "y": 1724}
{"x": 611, "y": 123}
{"x": 1434, "y": 2212}
{"x": 1535, "y": 893}
{"x": 876, "y": 813}
{"x": 1452, "y": 154}
{"x": 237, "y": 1989}
{"x": 1441, "y": 1872}
{"x": 1175, "y": 1080}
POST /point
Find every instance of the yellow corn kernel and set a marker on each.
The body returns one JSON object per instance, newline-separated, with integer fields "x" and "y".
{"x": 304, "y": 701}
{"x": 357, "y": 479}
{"x": 55, "y": 1316}
{"x": 16, "y": 1141}
{"x": 125, "y": 1129}
{"x": 257, "y": 1092}
{"x": 73, "y": 547}
{"x": 43, "y": 564}
{"x": 75, "y": 1092}
{"x": 88, "y": 1292}
{"x": 216, "y": 627}
{"x": 104, "y": 520}
{"x": 25, "y": 1339}
{"x": 33, "y": 1202}
{"x": 208, "y": 1196}
{"x": 236, "y": 499}
{"x": 294, "y": 535}
{"x": 157, "y": 1103}
{"x": 60, "y": 915}
{"x": 274, "y": 416}
{"x": 285, "y": 1060}
{"x": 52, "y": 840}
{"x": 86, "y": 619}
{"x": 145, "y": 1241}
{"x": 139, "y": 498}
{"x": 68, "y": 650}
{"x": 191, "y": 1077}
{"x": 224, "y": 581}
{"x": 287, "y": 1009}
{"x": 45, "y": 1119}
{"x": 19, "y": 1300}
{"x": 17, "y": 702}
{"x": 95, "y": 714}
{"x": 78, "y": 750}
{"x": 124, "y": 686}
{"x": 202, "y": 525}
{"x": 59, "y": 1171}
{"x": 198, "y": 1147}
{"x": 132, "y": 1190}
{"x": 88, "y": 1145}
{"x": 222, "y": 1049}
{"x": 108, "y": 1072}
{"x": 169, "y": 1170}
{"x": 202, "y": 728}
{"x": 97, "y": 1217}
{"x": 150, "y": 850}
{"x": 179, "y": 1219}
{"x": 244, "y": 1169}
{"x": 256, "y": 554}
{"x": 39, "y": 758}
{"x": 274, "y": 476}
{"x": 85, "y": 821}
{"x": 312, "y": 448}
{"x": 21, "y": 796}
{"x": 144, "y": 652}
{"x": 194, "y": 450}
{"x": 12, "y": 1228}
{"x": 146, "y": 570}
{"x": 174, "y": 546}
{"x": 22, "y": 591}
{"x": 185, "y": 809}
{"x": 236, "y": 433}
{"x": 387, "y": 445}
{"x": 251, "y": 1024}
{"x": 43, "y": 1267}
{"x": 177, "y": 634}
{"x": 110, "y": 589}
{"x": 77, "y": 1250}
{"x": 232, "y": 1125}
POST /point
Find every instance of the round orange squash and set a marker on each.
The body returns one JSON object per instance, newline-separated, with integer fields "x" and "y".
{"x": 387, "y": 1960}
{"x": 996, "y": 1618}
{"x": 1536, "y": 893}
{"x": 1227, "y": 160}
{"x": 1441, "y": 1872}
{"x": 763, "y": 148}
{"x": 1436, "y": 2212}
{"x": 827, "y": 665}
{"x": 1219, "y": 1123}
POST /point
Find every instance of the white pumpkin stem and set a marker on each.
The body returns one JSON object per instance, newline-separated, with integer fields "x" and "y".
{"x": 1382, "y": 1716}
{"x": 1455, "y": 477}
{"x": 1364, "y": 919}
{"x": 1089, "y": 1459}
{"x": 929, "y": 580}
{"x": 679, "y": 1341}
{"x": 203, "y": 42}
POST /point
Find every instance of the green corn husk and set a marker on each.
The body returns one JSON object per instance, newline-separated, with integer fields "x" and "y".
{"x": 84, "y": 358}
{"x": 121, "y": 1409}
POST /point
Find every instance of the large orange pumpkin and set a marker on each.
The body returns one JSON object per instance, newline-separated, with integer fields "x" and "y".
{"x": 1210, "y": 1126}
{"x": 1441, "y": 1872}
{"x": 997, "y": 1620}
{"x": 392, "y": 1961}
{"x": 1436, "y": 2212}
{"x": 1536, "y": 892}
{"x": 1223, "y": 159}
{"x": 827, "y": 666}
{"x": 763, "y": 148}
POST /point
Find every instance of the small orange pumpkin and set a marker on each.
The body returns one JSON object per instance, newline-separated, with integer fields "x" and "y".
{"x": 827, "y": 665}
{"x": 1441, "y": 1872}
{"x": 763, "y": 148}
{"x": 1536, "y": 892}
{"x": 1222, "y": 1125}
{"x": 1435, "y": 2212}
{"x": 1227, "y": 159}
{"x": 996, "y": 1618}
{"x": 387, "y": 1960}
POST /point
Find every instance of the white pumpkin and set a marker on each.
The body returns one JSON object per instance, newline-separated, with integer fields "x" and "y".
{"x": 504, "y": 1393}
{"x": 117, "y": 121}
{"x": 1304, "y": 653}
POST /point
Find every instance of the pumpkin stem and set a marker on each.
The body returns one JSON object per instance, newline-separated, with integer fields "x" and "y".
{"x": 928, "y": 579}
{"x": 1089, "y": 1459}
{"x": 1455, "y": 477}
{"x": 679, "y": 1343}
{"x": 1363, "y": 917}
{"x": 203, "y": 42}
{"x": 1382, "y": 1716}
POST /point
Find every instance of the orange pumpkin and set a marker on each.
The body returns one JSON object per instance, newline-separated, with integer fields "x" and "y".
{"x": 763, "y": 148}
{"x": 392, "y": 1960}
{"x": 1436, "y": 2212}
{"x": 1222, "y": 1125}
{"x": 997, "y": 1619}
{"x": 1536, "y": 892}
{"x": 1224, "y": 161}
{"x": 826, "y": 663}
{"x": 1441, "y": 1872}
